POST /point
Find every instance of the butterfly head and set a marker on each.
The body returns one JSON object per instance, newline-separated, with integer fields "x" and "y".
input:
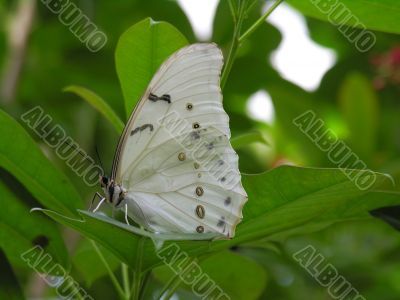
{"x": 107, "y": 187}
{"x": 114, "y": 193}
{"x": 103, "y": 181}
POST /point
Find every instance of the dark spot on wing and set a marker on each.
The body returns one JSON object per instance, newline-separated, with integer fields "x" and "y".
{"x": 135, "y": 131}
{"x": 141, "y": 128}
{"x": 195, "y": 135}
{"x": 228, "y": 201}
{"x": 221, "y": 222}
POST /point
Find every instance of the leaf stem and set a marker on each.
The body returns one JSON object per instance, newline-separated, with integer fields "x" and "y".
{"x": 110, "y": 272}
{"x": 172, "y": 285}
{"x": 137, "y": 275}
{"x": 234, "y": 45}
{"x": 145, "y": 281}
{"x": 125, "y": 280}
{"x": 169, "y": 284}
{"x": 260, "y": 21}
{"x": 232, "y": 7}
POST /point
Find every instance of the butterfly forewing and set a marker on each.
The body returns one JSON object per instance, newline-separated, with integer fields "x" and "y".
{"x": 174, "y": 158}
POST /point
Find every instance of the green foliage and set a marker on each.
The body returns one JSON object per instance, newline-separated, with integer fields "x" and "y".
{"x": 376, "y": 15}
{"x": 360, "y": 109}
{"x": 99, "y": 104}
{"x": 247, "y": 285}
{"x": 20, "y": 155}
{"x": 289, "y": 207}
{"x": 9, "y": 286}
{"x": 151, "y": 42}
{"x": 27, "y": 230}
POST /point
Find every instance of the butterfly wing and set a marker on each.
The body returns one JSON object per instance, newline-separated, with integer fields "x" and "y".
{"x": 174, "y": 158}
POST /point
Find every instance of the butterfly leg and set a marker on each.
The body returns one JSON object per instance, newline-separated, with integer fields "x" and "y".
{"x": 155, "y": 98}
{"x": 98, "y": 205}
{"x": 126, "y": 214}
{"x": 94, "y": 197}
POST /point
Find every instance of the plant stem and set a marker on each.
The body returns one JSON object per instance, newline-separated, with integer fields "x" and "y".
{"x": 232, "y": 8}
{"x": 137, "y": 275}
{"x": 260, "y": 21}
{"x": 125, "y": 278}
{"x": 234, "y": 45}
{"x": 170, "y": 284}
{"x": 110, "y": 272}
{"x": 174, "y": 286}
{"x": 238, "y": 38}
{"x": 145, "y": 281}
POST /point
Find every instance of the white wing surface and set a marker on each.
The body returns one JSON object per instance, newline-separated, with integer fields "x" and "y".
{"x": 174, "y": 158}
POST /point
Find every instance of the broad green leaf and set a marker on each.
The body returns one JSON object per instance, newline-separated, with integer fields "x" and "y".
{"x": 382, "y": 15}
{"x": 247, "y": 139}
{"x": 21, "y": 231}
{"x": 99, "y": 104}
{"x": 140, "y": 52}
{"x": 360, "y": 108}
{"x": 20, "y": 155}
{"x": 119, "y": 239}
{"x": 288, "y": 198}
{"x": 9, "y": 286}
{"x": 280, "y": 200}
{"x": 239, "y": 277}
{"x": 88, "y": 263}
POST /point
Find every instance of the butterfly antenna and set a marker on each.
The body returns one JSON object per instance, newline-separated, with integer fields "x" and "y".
{"x": 98, "y": 157}
{"x": 73, "y": 146}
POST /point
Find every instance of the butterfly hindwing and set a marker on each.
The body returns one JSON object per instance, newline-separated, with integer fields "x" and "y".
{"x": 174, "y": 159}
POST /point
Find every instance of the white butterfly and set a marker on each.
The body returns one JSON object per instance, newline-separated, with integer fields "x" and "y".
{"x": 174, "y": 170}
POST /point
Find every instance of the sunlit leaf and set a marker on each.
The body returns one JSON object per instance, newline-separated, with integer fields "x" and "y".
{"x": 140, "y": 51}
{"x": 380, "y": 15}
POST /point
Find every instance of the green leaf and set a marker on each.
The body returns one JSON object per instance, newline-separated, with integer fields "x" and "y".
{"x": 280, "y": 200}
{"x": 247, "y": 139}
{"x": 99, "y": 104}
{"x": 382, "y": 15}
{"x": 140, "y": 52}
{"x": 20, "y": 155}
{"x": 360, "y": 108}
{"x": 9, "y": 286}
{"x": 21, "y": 230}
{"x": 288, "y": 198}
{"x": 88, "y": 263}
{"x": 120, "y": 238}
{"x": 290, "y": 101}
{"x": 239, "y": 277}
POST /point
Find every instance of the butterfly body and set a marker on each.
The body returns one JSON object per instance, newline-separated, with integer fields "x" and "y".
{"x": 174, "y": 169}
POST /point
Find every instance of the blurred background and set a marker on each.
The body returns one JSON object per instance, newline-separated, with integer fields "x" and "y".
{"x": 290, "y": 65}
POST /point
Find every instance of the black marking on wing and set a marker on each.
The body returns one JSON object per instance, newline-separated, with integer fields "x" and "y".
{"x": 141, "y": 128}
{"x": 156, "y": 98}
